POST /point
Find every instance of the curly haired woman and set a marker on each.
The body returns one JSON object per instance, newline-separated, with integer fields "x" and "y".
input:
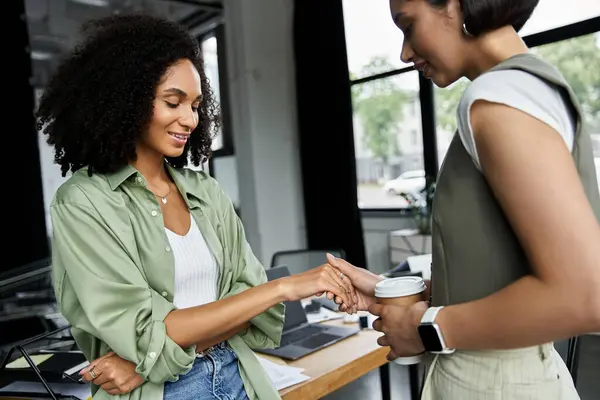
{"x": 151, "y": 265}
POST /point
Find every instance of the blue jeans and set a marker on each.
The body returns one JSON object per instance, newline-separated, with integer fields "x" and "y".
{"x": 214, "y": 376}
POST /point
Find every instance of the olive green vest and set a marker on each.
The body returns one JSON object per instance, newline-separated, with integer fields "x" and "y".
{"x": 475, "y": 251}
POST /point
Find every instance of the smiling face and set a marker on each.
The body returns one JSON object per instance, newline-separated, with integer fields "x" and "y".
{"x": 433, "y": 38}
{"x": 175, "y": 111}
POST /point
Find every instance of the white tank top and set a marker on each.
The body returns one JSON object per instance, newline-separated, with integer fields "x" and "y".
{"x": 196, "y": 270}
{"x": 519, "y": 90}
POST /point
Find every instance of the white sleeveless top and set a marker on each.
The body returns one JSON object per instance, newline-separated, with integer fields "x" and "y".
{"x": 519, "y": 90}
{"x": 196, "y": 270}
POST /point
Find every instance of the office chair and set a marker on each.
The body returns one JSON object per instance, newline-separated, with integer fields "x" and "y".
{"x": 302, "y": 260}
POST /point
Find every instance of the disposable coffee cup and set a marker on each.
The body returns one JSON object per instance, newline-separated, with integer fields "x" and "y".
{"x": 402, "y": 291}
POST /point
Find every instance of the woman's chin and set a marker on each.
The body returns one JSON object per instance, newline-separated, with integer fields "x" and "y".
{"x": 173, "y": 152}
{"x": 440, "y": 81}
{"x": 443, "y": 81}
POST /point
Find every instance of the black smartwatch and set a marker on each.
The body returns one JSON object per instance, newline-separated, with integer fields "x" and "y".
{"x": 431, "y": 334}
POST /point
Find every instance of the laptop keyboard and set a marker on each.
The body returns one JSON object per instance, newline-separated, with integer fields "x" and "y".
{"x": 317, "y": 340}
{"x": 299, "y": 334}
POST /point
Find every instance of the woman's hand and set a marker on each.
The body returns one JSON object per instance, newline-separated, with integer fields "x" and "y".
{"x": 399, "y": 325}
{"x": 363, "y": 281}
{"x": 317, "y": 281}
{"x": 113, "y": 374}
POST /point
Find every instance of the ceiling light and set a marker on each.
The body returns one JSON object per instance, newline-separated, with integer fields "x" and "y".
{"x": 40, "y": 55}
{"x": 96, "y": 3}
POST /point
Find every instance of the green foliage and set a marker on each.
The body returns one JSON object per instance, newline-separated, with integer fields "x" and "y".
{"x": 446, "y": 104}
{"x": 578, "y": 60}
{"x": 378, "y": 105}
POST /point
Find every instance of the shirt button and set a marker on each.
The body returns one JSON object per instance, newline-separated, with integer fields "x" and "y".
{"x": 139, "y": 179}
{"x": 168, "y": 248}
{"x": 154, "y": 213}
{"x": 164, "y": 294}
{"x": 152, "y": 354}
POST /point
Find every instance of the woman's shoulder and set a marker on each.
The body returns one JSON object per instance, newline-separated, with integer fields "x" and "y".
{"x": 508, "y": 85}
{"x": 520, "y": 90}
{"x": 82, "y": 189}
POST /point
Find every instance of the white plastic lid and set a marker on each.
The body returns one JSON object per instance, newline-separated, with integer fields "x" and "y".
{"x": 409, "y": 360}
{"x": 401, "y": 286}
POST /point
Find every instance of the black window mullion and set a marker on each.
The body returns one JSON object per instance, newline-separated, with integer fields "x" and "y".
{"x": 430, "y": 152}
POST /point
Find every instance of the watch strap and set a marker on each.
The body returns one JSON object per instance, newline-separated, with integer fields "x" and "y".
{"x": 429, "y": 319}
{"x": 430, "y": 315}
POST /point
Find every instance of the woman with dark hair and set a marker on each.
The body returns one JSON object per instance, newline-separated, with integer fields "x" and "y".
{"x": 515, "y": 215}
{"x": 150, "y": 261}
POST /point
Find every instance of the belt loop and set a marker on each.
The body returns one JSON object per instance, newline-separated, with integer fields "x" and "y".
{"x": 545, "y": 351}
{"x": 541, "y": 351}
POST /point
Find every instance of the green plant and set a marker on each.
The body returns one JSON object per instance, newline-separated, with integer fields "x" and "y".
{"x": 420, "y": 205}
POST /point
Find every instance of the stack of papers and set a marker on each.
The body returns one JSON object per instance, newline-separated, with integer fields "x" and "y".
{"x": 282, "y": 376}
{"x": 420, "y": 263}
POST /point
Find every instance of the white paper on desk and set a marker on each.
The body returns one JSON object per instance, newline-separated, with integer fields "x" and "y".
{"x": 80, "y": 390}
{"x": 324, "y": 314}
{"x": 420, "y": 263}
{"x": 282, "y": 376}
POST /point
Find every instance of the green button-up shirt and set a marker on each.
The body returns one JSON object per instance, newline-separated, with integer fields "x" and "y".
{"x": 114, "y": 274}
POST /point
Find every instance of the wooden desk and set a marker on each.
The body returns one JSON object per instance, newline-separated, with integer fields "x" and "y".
{"x": 337, "y": 365}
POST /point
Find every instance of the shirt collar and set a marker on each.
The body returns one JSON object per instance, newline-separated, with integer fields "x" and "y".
{"x": 115, "y": 179}
{"x": 187, "y": 188}
{"x": 190, "y": 189}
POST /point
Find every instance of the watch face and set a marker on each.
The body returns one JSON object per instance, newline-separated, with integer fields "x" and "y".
{"x": 430, "y": 338}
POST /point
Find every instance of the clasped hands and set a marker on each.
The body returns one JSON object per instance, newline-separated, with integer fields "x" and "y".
{"x": 399, "y": 324}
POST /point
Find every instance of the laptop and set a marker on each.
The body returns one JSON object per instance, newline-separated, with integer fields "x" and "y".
{"x": 300, "y": 337}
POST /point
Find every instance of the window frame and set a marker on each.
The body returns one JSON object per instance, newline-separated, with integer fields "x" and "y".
{"x": 227, "y": 149}
{"x": 426, "y": 97}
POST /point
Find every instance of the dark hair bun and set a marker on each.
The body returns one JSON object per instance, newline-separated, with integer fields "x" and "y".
{"x": 487, "y": 15}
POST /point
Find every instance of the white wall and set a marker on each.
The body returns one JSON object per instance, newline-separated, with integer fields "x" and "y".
{"x": 225, "y": 170}
{"x": 261, "y": 78}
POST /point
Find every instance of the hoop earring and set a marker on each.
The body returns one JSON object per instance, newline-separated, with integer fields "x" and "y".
{"x": 465, "y": 31}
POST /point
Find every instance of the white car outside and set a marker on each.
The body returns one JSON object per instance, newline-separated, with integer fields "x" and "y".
{"x": 407, "y": 182}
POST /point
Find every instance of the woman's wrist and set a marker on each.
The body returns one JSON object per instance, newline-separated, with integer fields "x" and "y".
{"x": 279, "y": 289}
{"x": 443, "y": 321}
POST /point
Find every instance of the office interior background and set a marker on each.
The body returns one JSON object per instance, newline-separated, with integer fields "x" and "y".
{"x": 323, "y": 127}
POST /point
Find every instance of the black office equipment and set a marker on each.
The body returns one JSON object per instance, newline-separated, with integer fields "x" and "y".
{"x": 50, "y": 371}
{"x": 312, "y": 308}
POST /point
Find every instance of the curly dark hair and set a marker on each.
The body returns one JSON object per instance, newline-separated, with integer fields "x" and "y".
{"x": 100, "y": 99}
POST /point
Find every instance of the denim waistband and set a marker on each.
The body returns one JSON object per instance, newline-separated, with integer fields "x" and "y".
{"x": 218, "y": 346}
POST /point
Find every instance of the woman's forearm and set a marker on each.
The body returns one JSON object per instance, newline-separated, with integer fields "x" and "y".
{"x": 205, "y": 344}
{"x": 204, "y": 324}
{"x": 525, "y": 313}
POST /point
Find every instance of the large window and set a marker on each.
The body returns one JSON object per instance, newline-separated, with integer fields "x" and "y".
{"x": 387, "y": 139}
{"x": 388, "y": 135}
